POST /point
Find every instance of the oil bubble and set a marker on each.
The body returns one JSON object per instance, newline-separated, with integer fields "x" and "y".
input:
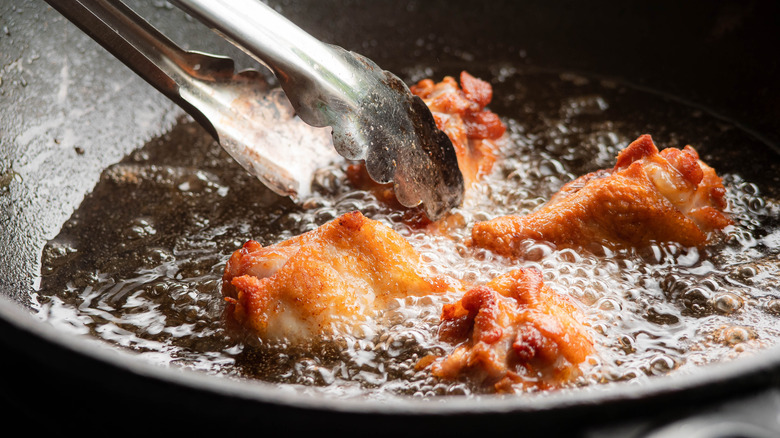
{"x": 726, "y": 302}
{"x": 735, "y": 335}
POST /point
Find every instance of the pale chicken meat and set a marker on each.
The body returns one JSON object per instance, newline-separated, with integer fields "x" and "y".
{"x": 649, "y": 196}
{"x": 329, "y": 281}
{"x": 514, "y": 333}
{"x": 460, "y": 112}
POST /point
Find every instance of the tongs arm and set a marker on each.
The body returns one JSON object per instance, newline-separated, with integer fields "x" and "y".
{"x": 373, "y": 114}
{"x": 140, "y": 46}
{"x": 314, "y": 75}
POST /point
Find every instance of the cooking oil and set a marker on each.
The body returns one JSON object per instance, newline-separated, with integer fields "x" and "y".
{"x": 139, "y": 264}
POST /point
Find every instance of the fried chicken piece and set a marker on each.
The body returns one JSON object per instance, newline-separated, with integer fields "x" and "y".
{"x": 514, "y": 332}
{"x": 460, "y": 113}
{"x": 670, "y": 196}
{"x": 324, "y": 282}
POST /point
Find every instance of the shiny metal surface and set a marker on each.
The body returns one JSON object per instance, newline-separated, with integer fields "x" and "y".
{"x": 373, "y": 114}
{"x": 253, "y": 122}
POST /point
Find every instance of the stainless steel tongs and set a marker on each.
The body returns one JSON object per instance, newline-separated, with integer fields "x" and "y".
{"x": 372, "y": 114}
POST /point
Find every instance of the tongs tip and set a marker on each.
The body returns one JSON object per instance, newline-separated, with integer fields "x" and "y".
{"x": 396, "y": 134}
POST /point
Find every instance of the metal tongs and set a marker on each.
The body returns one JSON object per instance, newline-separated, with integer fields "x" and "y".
{"x": 372, "y": 113}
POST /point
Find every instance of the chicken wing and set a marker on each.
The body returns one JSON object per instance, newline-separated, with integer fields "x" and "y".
{"x": 460, "y": 113}
{"x": 671, "y": 196}
{"x": 325, "y": 282}
{"x": 514, "y": 332}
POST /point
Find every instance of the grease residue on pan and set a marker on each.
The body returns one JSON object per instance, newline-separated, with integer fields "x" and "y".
{"x": 139, "y": 264}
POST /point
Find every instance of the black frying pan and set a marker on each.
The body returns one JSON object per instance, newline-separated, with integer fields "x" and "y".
{"x": 69, "y": 110}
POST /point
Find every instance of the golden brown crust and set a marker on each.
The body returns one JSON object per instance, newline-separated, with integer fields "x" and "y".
{"x": 324, "y": 282}
{"x": 648, "y": 196}
{"x": 513, "y": 333}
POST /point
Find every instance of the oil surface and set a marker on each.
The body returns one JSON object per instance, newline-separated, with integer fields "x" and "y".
{"x": 139, "y": 264}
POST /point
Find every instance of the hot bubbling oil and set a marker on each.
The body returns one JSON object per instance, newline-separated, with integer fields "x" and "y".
{"x": 139, "y": 264}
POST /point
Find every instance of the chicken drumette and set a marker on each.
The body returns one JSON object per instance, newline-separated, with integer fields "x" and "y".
{"x": 331, "y": 280}
{"x": 339, "y": 278}
{"x": 667, "y": 196}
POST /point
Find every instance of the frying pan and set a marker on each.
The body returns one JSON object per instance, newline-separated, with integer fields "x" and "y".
{"x": 69, "y": 110}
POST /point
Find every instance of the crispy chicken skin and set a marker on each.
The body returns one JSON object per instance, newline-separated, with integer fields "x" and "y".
{"x": 324, "y": 282}
{"x": 667, "y": 196}
{"x": 460, "y": 113}
{"x": 513, "y": 333}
